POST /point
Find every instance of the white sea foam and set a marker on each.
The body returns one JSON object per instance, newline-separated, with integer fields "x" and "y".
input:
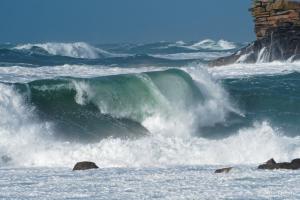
{"x": 243, "y": 58}
{"x": 179, "y": 182}
{"x": 76, "y": 50}
{"x": 263, "y": 55}
{"x": 26, "y": 74}
{"x": 207, "y": 44}
{"x": 213, "y": 45}
{"x": 237, "y": 70}
{"x": 241, "y": 70}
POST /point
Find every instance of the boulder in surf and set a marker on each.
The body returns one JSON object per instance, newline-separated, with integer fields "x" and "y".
{"x": 223, "y": 170}
{"x": 6, "y": 159}
{"x": 85, "y": 165}
{"x": 272, "y": 165}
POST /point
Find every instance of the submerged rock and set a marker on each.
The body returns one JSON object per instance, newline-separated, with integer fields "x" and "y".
{"x": 272, "y": 164}
{"x": 6, "y": 159}
{"x": 223, "y": 170}
{"x": 85, "y": 166}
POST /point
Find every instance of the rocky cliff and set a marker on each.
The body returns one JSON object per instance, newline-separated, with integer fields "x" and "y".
{"x": 277, "y": 28}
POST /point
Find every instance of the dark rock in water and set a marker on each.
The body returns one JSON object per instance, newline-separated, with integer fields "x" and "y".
{"x": 85, "y": 166}
{"x": 271, "y": 165}
{"x": 6, "y": 159}
{"x": 296, "y": 162}
{"x": 271, "y": 162}
{"x": 223, "y": 170}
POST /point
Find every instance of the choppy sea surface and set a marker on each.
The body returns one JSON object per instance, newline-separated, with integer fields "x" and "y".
{"x": 154, "y": 117}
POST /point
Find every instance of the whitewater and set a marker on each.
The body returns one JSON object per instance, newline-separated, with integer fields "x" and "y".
{"x": 154, "y": 117}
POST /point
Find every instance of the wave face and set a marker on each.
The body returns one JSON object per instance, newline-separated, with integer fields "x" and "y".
{"x": 101, "y": 105}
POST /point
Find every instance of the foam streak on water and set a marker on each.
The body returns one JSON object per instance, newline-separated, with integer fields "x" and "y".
{"x": 242, "y": 70}
{"x": 26, "y": 74}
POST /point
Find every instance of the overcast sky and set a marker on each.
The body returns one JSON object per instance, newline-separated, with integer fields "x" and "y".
{"x": 114, "y": 21}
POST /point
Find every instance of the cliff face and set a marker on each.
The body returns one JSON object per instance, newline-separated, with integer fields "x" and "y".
{"x": 270, "y": 14}
{"x": 277, "y": 28}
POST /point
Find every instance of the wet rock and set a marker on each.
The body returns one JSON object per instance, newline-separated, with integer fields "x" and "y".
{"x": 85, "y": 166}
{"x": 277, "y": 28}
{"x": 6, "y": 159}
{"x": 283, "y": 44}
{"x": 296, "y": 163}
{"x": 223, "y": 170}
{"x": 272, "y": 164}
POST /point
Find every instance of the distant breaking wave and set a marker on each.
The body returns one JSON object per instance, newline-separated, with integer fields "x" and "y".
{"x": 206, "y": 44}
{"x": 161, "y": 53}
{"x": 75, "y": 50}
{"x": 213, "y": 45}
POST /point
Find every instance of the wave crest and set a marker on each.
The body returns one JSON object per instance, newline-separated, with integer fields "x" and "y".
{"x": 214, "y": 45}
{"x": 75, "y": 50}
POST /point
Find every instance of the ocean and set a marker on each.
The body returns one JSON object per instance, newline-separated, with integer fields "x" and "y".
{"x": 154, "y": 117}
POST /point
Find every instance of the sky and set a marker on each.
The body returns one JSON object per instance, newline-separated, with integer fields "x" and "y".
{"x": 115, "y": 21}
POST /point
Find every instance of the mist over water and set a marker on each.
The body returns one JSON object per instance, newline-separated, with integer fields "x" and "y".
{"x": 131, "y": 106}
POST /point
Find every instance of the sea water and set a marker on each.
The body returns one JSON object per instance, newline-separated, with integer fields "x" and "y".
{"x": 154, "y": 117}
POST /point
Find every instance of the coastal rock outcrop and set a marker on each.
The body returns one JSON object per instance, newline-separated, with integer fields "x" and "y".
{"x": 272, "y": 164}
{"x": 277, "y": 28}
{"x": 85, "y": 166}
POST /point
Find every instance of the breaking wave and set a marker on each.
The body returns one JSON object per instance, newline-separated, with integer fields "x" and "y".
{"x": 51, "y": 117}
{"x": 140, "y": 105}
{"x": 214, "y": 45}
{"x": 158, "y": 118}
{"x": 207, "y": 44}
{"x": 75, "y": 50}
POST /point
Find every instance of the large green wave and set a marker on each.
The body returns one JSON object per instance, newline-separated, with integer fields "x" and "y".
{"x": 90, "y": 109}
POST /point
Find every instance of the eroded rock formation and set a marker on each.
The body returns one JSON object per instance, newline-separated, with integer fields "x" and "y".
{"x": 277, "y": 28}
{"x": 270, "y": 14}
